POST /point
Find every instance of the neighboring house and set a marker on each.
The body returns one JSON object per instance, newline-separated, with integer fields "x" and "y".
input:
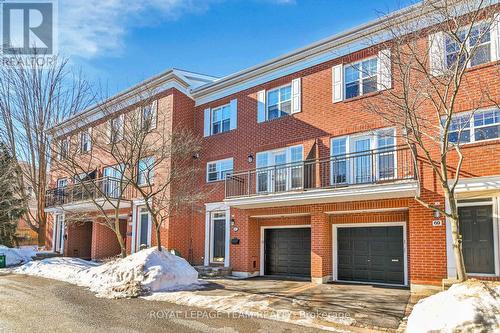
{"x": 302, "y": 180}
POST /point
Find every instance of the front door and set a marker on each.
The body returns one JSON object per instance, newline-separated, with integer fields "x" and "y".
{"x": 144, "y": 229}
{"x": 218, "y": 231}
{"x": 59, "y": 234}
{"x": 476, "y": 228}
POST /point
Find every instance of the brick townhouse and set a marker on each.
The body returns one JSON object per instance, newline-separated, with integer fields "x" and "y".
{"x": 303, "y": 181}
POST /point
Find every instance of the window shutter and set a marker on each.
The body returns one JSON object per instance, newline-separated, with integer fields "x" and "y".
{"x": 122, "y": 127}
{"x": 261, "y": 106}
{"x": 338, "y": 83}
{"x": 495, "y": 38}
{"x": 206, "y": 123}
{"x": 233, "y": 121}
{"x": 436, "y": 53}
{"x": 296, "y": 95}
{"x": 384, "y": 70}
{"x": 154, "y": 116}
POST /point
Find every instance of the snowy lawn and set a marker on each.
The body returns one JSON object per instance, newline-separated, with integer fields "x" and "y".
{"x": 473, "y": 306}
{"x": 140, "y": 273}
{"x": 17, "y": 256}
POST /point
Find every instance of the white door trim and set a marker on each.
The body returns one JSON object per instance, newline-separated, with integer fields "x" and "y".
{"x": 138, "y": 228}
{"x": 495, "y": 202}
{"x": 210, "y": 208}
{"x": 369, "y": 224}
{"x": 262, "y": 240}
{"x": 58, "y": 244}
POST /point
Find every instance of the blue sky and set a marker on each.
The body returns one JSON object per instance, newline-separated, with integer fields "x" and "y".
{"x": 121, "y": 42}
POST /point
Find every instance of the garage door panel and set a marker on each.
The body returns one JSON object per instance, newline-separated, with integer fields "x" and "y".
{"x": 376, "y": 254}
{"x": 287, "y": 252}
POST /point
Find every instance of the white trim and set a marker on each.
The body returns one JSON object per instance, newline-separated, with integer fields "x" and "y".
{"x": 217, "y": 169}
{"x": 138, "y": 223}
{"x": 369, "y": 224}
{"x": 271, "y": 216}
{"x": 210, "y": 208}
{"x": 352, "y": 193}
{"x": 495, "y": 203}
{"x": 58, "y": 244}
{"x": 376, "y": 210}
{"x": 262, "y": 240}
{"x": 478, "y": 184}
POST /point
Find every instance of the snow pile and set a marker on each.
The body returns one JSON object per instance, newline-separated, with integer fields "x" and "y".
{"x": 472, "y": 306}
{"x": 145, "y": 271}
{"x": 17, "y": 256}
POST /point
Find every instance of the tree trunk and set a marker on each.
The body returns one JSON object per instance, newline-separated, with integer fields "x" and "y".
{"x": 457, "y": 239}
{"x": 123, "y": 250}
{"x": 158, "y": 239}
{"x": 42, "y": 219}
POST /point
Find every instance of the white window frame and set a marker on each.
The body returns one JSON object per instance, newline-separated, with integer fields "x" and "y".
{"x": 468, "y": 46}
{"x": 148, "y": 173}
{"x": 86, "y": 144}
{"x": 472, "y": 128}
{"x": 64, "y": 148}
{"x": 270, "y": 164}
{"x": 115, "y": 132}
{"x": 221, "y": 174}
{"x": 138, "y": 227}
{"x": 280, "y": 102}
{"x": 374, "y": 145}
{"x": 361, "y": 78}
{"x": 222, "y": 119}
{"x": 153, "y": 106}
{"x": 61, "y": 181}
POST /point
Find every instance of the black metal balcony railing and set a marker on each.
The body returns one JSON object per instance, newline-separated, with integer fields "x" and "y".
{"x": 102, "y": 188}
{"x": 384, "y": 165}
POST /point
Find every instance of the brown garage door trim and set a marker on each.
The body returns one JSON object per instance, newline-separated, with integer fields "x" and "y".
{"x": 364, "y": 225}
{"x": 262, "y": 240}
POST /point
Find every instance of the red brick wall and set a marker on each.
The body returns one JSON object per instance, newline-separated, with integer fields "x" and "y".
{"x": 104, "y": 241}
{"x": 79, "y": 240}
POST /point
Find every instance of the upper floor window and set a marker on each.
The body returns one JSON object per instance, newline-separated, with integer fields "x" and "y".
{"x": 218, "y": 170}
{"x": 115, "y": 129}
{"x": 485, "y": 125}
{"x": 145, "y": 171}
{"x": 280, "y": 169}
{"x": 361, "y": 78}
{"x": 279, "y": 102}
{"x": 478, "y": 42}
{"x": 221, "y": 119}
{"x": 64, "y": 149}
{"x": 62, "y": 183}
{"x": 149, "y": 116}
{"x": 85, "y": 141}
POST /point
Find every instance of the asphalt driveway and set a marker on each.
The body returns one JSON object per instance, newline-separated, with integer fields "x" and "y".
{"x": 369, "y": 306}
{"x": 33, "y": 304}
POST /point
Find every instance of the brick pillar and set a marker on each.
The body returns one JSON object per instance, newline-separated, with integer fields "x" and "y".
{"x": 244, "y": 257}
{"x": 321, "y": 246}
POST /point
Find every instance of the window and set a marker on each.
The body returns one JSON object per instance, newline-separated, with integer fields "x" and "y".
{"x": 218, "y": 170}
{"x": 479, "y": 41}
{"x": 85, "y": 141}
{"x": 221, "y": 119}
{"x": 148, "y": 116}
{"x": 116, "y": 129}
{"x": 484, "y": 126}
{"x": 339, "y": 162}
{"x": 62, "y": 183}
{"x": 361, "y": 78}
{"x": 64, "y": 149}
{"x": 279, "y": 102}
{"x": 145, "y": 171}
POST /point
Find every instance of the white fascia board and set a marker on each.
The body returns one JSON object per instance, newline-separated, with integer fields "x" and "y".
{"x": 120, "y": 101}
{"x": 476, "y": 184}
{"x": 354, "y": 193}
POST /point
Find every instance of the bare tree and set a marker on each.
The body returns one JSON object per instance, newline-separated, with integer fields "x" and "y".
{"x": 154, "y": 162}
{"x": 431, "y": 53}
{"x": 33, "y": 98}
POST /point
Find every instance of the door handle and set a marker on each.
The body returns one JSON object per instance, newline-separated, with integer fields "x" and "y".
{"x": 395, "y": 260}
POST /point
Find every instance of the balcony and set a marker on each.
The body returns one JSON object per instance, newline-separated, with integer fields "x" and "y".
{"x": 84, "y": 195}
{"x": 372, "y": 174}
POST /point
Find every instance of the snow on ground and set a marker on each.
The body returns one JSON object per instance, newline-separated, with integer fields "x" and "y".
{"x": 252, "y": 305}
{"x": 145, "y": 271}
{"x": 17, "y": 256}
{"x": 472, "y": 306}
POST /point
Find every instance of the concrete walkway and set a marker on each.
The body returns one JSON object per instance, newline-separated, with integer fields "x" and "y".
{"x": 369, "y": 306}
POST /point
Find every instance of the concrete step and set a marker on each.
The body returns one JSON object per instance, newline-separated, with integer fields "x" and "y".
{"x": 213, "y": 271}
